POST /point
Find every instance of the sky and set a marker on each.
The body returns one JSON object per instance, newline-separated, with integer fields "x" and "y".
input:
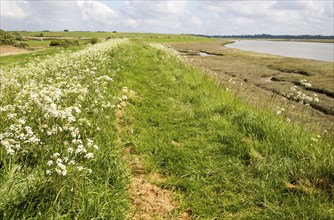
{"x": 216, "y": 17}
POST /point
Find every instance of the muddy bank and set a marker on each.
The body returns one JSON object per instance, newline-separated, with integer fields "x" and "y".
{"x": 300, "y": 86}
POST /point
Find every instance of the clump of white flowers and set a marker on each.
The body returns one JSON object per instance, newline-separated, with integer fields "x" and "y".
{"x": 303, "y": 82}
{"x": 279, "y": 110}
{"x": 301, "y": 97}
{"x": 168, "y": 50}
{"x": 44, "y": 107}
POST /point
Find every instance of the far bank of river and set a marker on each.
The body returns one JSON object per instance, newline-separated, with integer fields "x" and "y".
{"x": 307, "y": 50}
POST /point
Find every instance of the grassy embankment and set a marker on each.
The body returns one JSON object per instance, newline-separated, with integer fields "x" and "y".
{"x": 269, "y": 81}
{"x": 224, "y": 158}
{"x": 220, "y": 157}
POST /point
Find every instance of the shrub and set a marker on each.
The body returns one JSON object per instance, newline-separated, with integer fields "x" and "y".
{"x": 7, "y": 38}
{"x": 22, "y": 45}
{"x": 64, "y": 43}
{"x": 94, "y": 40}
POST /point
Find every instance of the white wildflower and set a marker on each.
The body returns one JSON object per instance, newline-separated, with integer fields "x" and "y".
{"x": 279, "y": 110}
{"x": 314, "y": 139}
{"x": 80, "y": 149}
{"x": 89, "y": 155}
{"x": 125, "y": 89}
{"x": 11, "y": 116}
{"x": 22, "y": 121}
{"x": 124, "y": 97}
{"x": 56, "y": 155}
{"x": 70, "y": 150}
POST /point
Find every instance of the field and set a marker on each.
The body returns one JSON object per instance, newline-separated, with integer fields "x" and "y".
{"x": 131, "y": 129}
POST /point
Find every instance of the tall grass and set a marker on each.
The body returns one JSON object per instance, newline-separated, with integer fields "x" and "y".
{"x": 57, "y": 155}
{"x": 223, "y": 158}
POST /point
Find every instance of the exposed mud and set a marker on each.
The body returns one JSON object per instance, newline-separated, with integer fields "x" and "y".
{"x": 266, "y": 81}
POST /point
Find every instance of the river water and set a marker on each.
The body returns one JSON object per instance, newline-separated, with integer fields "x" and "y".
{"x": 307, "y": 50}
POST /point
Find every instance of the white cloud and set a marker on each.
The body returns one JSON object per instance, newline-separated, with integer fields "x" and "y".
{"x": 158, "y": 16}
{"x": 276, "y": 17}
{"x": 145, "y": 9}
{"x": 177, "y": 16}
{"x": 57, "y": 15}
{"x": 97, "y": 12}
{"x": 13, "y": 9}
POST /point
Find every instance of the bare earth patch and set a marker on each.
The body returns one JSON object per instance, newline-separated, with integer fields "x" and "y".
{"x": 149, "y": 201}
{"x": 6, "y": 50}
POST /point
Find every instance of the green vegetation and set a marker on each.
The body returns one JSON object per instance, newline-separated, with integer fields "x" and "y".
{"x": 220, "y": 157}
{"x": 22, "y": 59}
{"x": 94, "y": 40}
{"x": 7, "y": 38}
{"x": 64, "y": 43}
{"x": 57, "y": 156}
{"x": 151, "y": 37}
{"x": 224, "y": 158}
{"x": 269, "y": 81}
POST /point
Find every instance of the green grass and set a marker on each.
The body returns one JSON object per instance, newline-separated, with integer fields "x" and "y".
{"x": 230, "y": 160}
{"x": 151, "y": 37}
{"x": 21, "y": 59}
{"x": 37, "y": 43}
{"x": 222, "y": 158}
{"x": 27, "y": 191}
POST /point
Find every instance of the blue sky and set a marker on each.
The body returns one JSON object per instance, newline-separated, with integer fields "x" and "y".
{"x": 180, "y": 16}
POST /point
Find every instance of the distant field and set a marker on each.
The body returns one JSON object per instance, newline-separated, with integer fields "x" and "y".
{"x": 147, "y": 36}
{"x": 22, "y": 58}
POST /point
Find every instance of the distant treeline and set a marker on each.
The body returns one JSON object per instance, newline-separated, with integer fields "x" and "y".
{"x": 269, "y": 36}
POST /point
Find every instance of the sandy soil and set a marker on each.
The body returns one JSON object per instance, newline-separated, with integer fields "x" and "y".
{"x": 6, "y": 50}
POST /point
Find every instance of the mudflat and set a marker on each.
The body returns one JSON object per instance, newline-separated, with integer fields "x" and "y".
{"x": 300, "y": 90}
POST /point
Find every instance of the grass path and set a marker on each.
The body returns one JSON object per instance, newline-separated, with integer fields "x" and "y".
{"x": 170, "y": 143}
{"x": 221, "y": 158}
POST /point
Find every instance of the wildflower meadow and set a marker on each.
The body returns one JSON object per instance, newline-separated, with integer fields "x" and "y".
{"x": 48, "y": 110}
